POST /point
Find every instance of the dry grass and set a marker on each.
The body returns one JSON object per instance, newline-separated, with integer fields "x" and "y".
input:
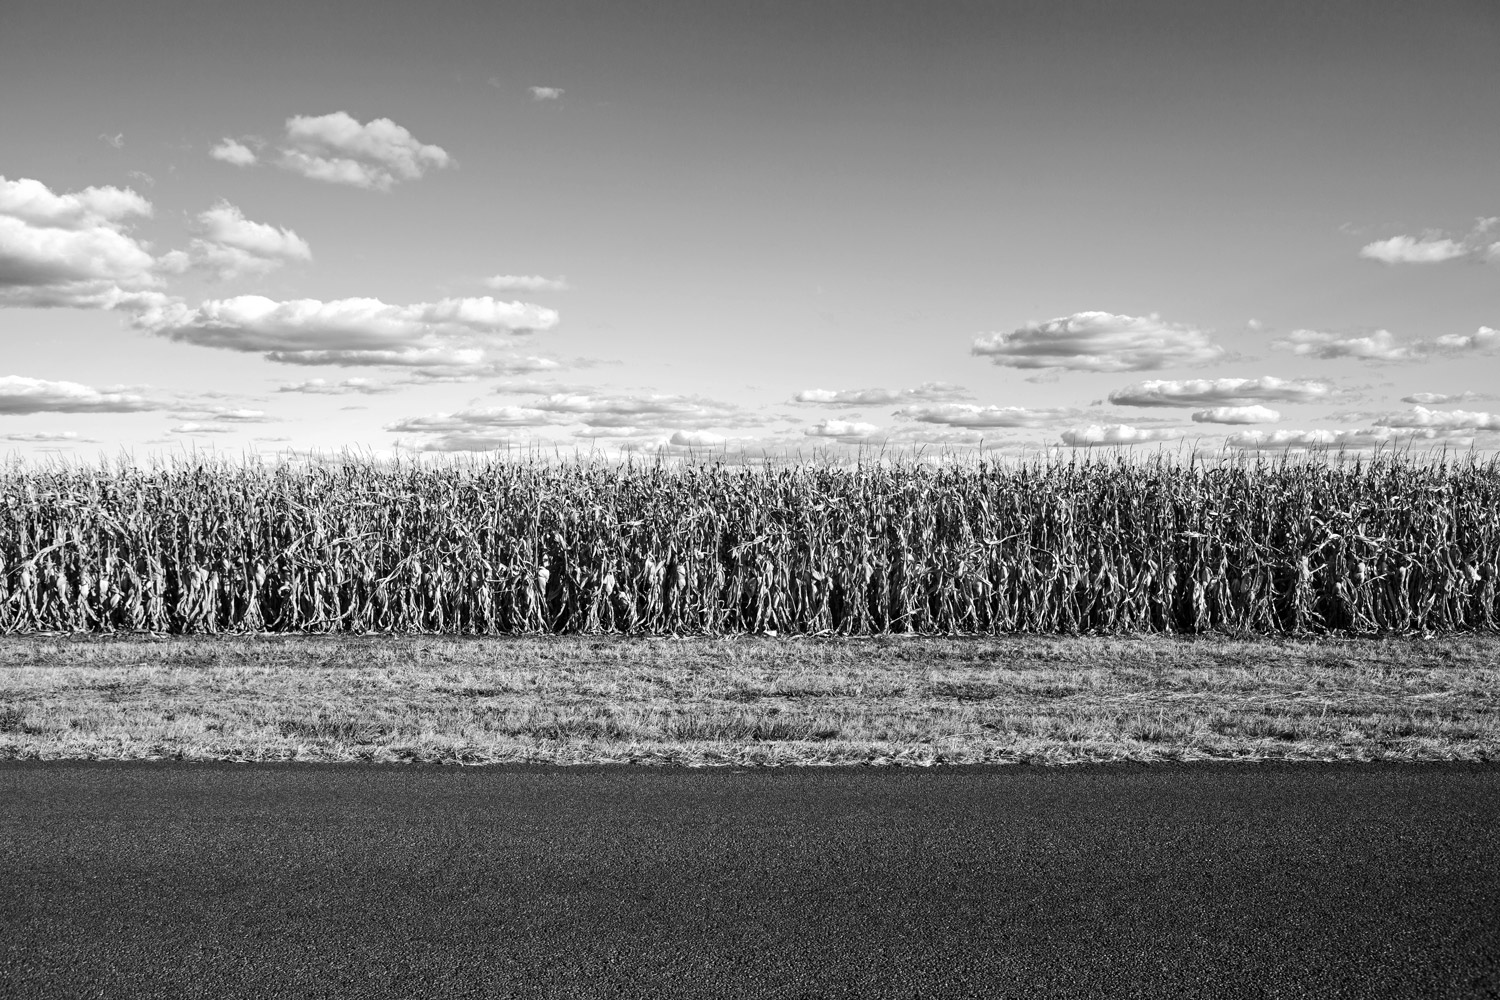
{"x": 749, "y": 700}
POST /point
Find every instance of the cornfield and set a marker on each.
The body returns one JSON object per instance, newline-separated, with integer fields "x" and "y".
{"x": 1097, "y": 545}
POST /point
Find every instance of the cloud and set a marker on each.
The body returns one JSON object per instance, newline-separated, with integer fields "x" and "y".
{"x": 927, "y": 392}
{"x": 601, "y": 413}
{"x": 69, "y": 249}
{"x": 1483, "y": 339}
{"x": 475, "y": 371}
{"x": 1382, "y": 346}
{"x": 1407, "y": 250}
{"x": 322, "y": 386}
{"x": 970, "y": 416}
{"x": 1095, "y": 435}
{"x": 224, "y": 414}
{"x": 1237, "y": 415}
{"x": 1420, "y": 416}
{"x": 1226, "y": 391}
{"x": 48, "y": 437}
{"x": 545, "y": 93}
{"x": 117, "y": 140}
{"x": 526, "y": 283}
{"x": 1099, "y": 342}
{"x": 1378, "y": 346}
{"x": 846, "y": 431}
{"x": 1435, "y": 247}
{"x": 234, "y": 153}
{"x": 1442, "y": 398}
{"x": 19, "y": 394}
{"x": 197, "y": 428}
{"x": 1296, "y": 440}
{"x": 336, "y": 148}
{"x": 341, "y": 331}
{"x": 232, "y": 246}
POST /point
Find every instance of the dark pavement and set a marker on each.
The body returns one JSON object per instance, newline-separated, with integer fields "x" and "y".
{"x": 281, "y": 880}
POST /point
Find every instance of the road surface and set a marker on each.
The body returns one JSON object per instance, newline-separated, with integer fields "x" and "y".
{"x": 144, "y": 880}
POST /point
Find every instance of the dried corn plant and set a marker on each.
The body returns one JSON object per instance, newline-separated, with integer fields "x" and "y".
{"x": 1283, "y": 546}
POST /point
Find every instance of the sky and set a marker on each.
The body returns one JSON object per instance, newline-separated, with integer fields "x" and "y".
{"x": 784, "y": 227}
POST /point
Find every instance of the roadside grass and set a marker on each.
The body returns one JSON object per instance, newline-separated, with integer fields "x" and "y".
{"x": 749, "y": 701}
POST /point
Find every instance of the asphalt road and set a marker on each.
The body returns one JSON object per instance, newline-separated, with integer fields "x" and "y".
{"x": 179, "y": 880}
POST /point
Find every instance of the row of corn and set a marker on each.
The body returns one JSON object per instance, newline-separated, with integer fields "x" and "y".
{"x": 1097, "y": 545}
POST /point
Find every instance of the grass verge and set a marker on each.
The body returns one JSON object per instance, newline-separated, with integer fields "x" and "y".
{"x": 748, "y": 701}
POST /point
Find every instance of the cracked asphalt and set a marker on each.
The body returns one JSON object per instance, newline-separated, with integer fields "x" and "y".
{"x": 156, "y": 879}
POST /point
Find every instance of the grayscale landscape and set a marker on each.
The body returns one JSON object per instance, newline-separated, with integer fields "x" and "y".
{"x": 780, "y": 499}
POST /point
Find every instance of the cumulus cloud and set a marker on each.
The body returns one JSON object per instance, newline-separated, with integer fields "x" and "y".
{"x": 545, "y": 93}
{"x": 322, "y": 386}
{"x": 1378, "y": 346}
{"x": 341, "y": 331}
{"x": 69, "y": 249}
{"x": 927, "y": 392}
{"x": 1225, "y": 391}
{"x": 842, "y": 430}
{"x": 235, "y": 153}
{"x": 526, "y": 283}
{"x": 1483, "y": 339}
{"x": 1421, "y": 416}
{"x": 232, "y": 246}
{"x": 1099, "y": 342}
{"x": 1095, "y": 435}
{"x": 970, "y": 416}
{"x": 1237, "y": 415}
{"x": 1383, "y": 346}
{"x": 338, "y": 149}
{"x": 1435, "y": 247}
{"x": 19, "y": 394}
{"x": 1409, "y": 250}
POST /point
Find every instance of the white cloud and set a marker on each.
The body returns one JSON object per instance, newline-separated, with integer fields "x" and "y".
{"x": 1237, "y": 415}
{"x": 1483, "y": 339}
{"x": 199, "y": 428}
{"x": 842, "y": 430}
{"x": 600, "y": 413}
{"x": 48, "y": 437}
{"x": 1420, "y": 416}
{"x": 1296, "y": 440}
{"x": 1099, "y": 342}
{"x": 117, "y": 140}
{"x": 1441, "y": 398}
{"x": 545, "y": 93}
{"x": 1435, "y": 247}
{"x": 224, "y": 414}
{"x": 1409, "y": 250}
{"x": 322, "y": 386}
{"x": 972, "y": 417}
{"x": 336, "y": 148}
{"x": 1095, "y": 435}
{"x": 933, "y": 392}
{"x": 341, "y": 331}
{"x": 1226, "y": 391}
{"x": 1378, "y": 346}
{"x": 234, "y": 153}
{"x": 69, "y": 249}
{"x": 19, "y": 394}
{"x": 526, "y": 283}
{"x": 232, "y": 246}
